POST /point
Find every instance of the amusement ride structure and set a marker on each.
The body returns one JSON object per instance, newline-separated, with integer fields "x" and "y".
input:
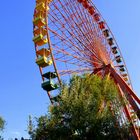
{"x": 71, "y": 37}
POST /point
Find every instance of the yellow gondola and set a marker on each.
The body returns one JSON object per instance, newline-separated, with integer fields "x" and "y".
{"x": 41, "y": 14}
{"x": 39, "y": 21}
{"x": 43, "y": 52}
{"x": 40, "y": 30}
{"x": 40, "y": 40}
{"x": 40, "y": 6}
{"x": 43, "y": 62}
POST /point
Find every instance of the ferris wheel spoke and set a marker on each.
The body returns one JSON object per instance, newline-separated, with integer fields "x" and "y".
{"x": 88, "y": 42}
{"x": 82, "y": 57}
{"x": 79, "y": 52}
{"x": 73, "y": 44}
{"x": 75, "y": 63}
{"x": 73, "y": 55}
{"x": 80, "y": 18}
{"x": 64, "y": 37}
{"x": 72, "y": 59}
{"x": 89, "y": 31}
{"x": 98, "y": 32}
{"x": 91, "y": 23}
{"x": 70, "y": 32}
{"x": 76, "y": 71}
{"x": 65, "y": 53}
{"x": 70, "y": 47}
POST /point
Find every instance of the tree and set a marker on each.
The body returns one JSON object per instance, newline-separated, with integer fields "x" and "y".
{"x": 2, "y": 123}
{"x": 89, "y": 108}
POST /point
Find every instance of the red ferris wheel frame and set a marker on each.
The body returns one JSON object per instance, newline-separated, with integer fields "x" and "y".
{"x": 78, "y": 37}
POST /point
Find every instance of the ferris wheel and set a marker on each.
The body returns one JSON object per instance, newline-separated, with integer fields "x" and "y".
{"x": 71, "y": 37}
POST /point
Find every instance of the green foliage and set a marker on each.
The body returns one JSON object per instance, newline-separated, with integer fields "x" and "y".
{"x": 89, "y": 109}
{"x": 2, "y": 124}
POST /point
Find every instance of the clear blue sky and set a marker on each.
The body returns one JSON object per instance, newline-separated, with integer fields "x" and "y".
{"x": 20, "y": 91}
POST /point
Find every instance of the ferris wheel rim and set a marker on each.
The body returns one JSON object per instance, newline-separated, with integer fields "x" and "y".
{"x": 51, "y": 48}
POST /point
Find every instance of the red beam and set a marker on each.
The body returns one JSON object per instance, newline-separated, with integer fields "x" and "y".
{"x": 134, "y": 130}
{"x": 129, "y": 93}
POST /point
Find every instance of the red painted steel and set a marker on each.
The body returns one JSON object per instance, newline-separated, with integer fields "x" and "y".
{"x": 127, "y": 93}
{"x": 78, "y": 44}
